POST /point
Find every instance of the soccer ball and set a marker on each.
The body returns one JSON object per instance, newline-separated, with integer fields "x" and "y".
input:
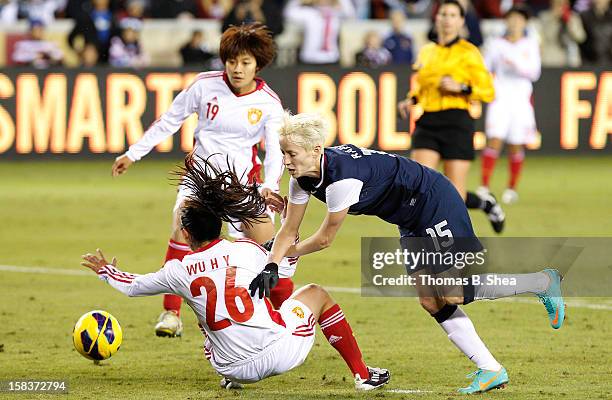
{"x": 97, "y": 335}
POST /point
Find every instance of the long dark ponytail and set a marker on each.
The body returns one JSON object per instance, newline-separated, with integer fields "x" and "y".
{"x": 216, "y": 196}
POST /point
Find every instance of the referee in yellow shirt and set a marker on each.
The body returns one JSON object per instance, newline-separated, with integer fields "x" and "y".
{"x": 450, "y": 74}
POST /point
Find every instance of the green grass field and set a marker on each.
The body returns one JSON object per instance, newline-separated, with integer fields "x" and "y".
{"x": 52, "y": 212}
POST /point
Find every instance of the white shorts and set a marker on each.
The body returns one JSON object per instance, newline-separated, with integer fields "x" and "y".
{"x": 512, "y": 122}
{"x": 288, "y": 352}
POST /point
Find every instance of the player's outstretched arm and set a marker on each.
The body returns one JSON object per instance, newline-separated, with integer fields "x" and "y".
{"x": 96, "y": 262}
{"x": 121, "y": 164}
{"x": 128, "y": 283}
{"x": 285, "y": 238}
{"x": 185, "y": 104}
{"x": 324, "y": 236}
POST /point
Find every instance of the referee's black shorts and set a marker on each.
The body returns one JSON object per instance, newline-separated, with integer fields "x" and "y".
{"x": 448, "y": 132}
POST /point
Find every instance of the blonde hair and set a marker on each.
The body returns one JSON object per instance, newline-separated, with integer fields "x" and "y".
{"x": 304, "y": 129}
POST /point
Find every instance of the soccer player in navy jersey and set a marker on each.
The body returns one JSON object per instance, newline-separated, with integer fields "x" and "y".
{"x": 419, "y": 200}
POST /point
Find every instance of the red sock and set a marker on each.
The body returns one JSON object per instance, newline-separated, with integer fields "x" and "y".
{"x": 340, "y": 335}
{"x": 489, "y": 156}
{"x": 516, "y": 163}
{"x": 281, "y": 292}
{"x": 176, "y": 250}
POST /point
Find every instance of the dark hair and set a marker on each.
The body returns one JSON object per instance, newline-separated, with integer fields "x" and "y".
{"x": 520, "y": 9}
{"x": 216, "y": 196}
{"x": 253, "y": 38}
{"x": 456, "y": 3}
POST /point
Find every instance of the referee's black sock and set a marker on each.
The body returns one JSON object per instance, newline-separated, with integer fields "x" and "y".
{"x": 473, "y": 201}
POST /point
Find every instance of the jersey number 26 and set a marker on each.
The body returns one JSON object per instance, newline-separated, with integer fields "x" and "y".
{"x": 231, "y": 293}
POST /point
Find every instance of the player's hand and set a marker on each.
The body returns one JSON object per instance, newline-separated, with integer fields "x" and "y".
{"x": 96, "y": 262}
{"x": 448, "y": 84}
{"x": 266, "y": 280}
{"x": 275, "y": 201}
{"x": 404, "y": 107}
{"x": 121, "y": 164}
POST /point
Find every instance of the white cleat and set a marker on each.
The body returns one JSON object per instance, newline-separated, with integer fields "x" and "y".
{"x": 377, "y": 379}
{"x": 482, "y": 191}
{"x": 169, "y": 325}
{"x": 229, "y": 384}
{"x": 510, "y": 196}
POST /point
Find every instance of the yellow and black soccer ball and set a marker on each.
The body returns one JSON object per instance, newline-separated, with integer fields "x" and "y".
{"x": 97, "y": 335}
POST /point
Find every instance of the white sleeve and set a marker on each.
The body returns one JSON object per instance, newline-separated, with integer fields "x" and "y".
{"x": 273, "y": 163}
{"x": 531, "y": 66}
{"x": 347, "y": 10}
{"x": 297, "y": 195}
{"x": 185, "y": 104}
{"x": 295, "y": 11}
{"x": 138, "y": 285}
{"x": 342, "y": 194}
{"x": 489, "y": 55}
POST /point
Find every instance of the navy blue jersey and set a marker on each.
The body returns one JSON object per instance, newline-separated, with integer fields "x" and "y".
{"x": 386, "y": 185}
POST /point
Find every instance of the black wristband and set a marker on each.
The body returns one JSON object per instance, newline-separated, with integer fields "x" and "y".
{"x": 271, "y": 267}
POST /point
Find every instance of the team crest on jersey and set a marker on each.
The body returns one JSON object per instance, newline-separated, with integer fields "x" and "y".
{"x": 254, "y": 115}
{"x": 298, "y": 311}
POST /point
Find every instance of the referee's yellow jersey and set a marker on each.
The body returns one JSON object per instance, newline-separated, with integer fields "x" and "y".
{"x": 463, "y": 62}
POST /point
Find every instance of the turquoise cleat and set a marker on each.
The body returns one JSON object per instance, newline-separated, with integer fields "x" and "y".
{"x": 486, "y": 380}
{"x": 552, "y": 299}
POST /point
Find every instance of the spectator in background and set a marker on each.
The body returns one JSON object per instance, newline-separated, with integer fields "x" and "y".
{"x": 597, "y": 22}
{"x": 267, "y": 12}
{"x": 173, "y": 9}
{"x": 398, "y": 42}
{"x": 35, "y": 51}
{"x": 214, "y": 9}
{"x": 379, "y": 9}
{"x": 133, "y": 9}
{"x": 8, "y": 11}
{"x": 471, "y": 29}
{"x": 561, "y": 31}
{"x": 537, "y": 6}
{"x": 413, "y": 8}
{"x": 125, "y": 50}
{"x": 321, "y": 21}
{"x": 75, "y": 8}
{"x": 491, "y": 8}
{"x": 195, "y": 51}
{"x": 418, "y": 8}
{"x": 373, "y": 55}
{"x": 41, "y": 10}
{"x": 95, "y": 24}
{"x": 89, "y": 56}
{"x": 581, "y": 6}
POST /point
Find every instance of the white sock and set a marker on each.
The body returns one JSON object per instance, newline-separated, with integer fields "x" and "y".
{"x": 514, "y": 284}
{"x": 462, "y": 333}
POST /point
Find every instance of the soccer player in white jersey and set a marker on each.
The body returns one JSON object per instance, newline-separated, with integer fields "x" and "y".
{"x": 246, "y": 340}
{"x": 515, "y": 61}
{"x": 236, "y": 110}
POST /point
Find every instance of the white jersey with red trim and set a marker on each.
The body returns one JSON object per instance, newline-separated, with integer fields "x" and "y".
{"x": 516, "y": 65}
{"x": 229, "y": 126}
{"x": 214, "y": 281}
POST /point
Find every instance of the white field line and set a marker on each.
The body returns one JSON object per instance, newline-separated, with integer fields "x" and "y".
{"x": 337, "y": 289}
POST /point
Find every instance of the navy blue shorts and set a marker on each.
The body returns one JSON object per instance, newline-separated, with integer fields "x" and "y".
{"x": 443, "y": 224}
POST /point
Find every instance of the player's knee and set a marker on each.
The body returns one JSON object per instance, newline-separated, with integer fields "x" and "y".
{"x": 453, "y": 300}
{"x": 319, "y": 291}
{"x": 430, "y": 304}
